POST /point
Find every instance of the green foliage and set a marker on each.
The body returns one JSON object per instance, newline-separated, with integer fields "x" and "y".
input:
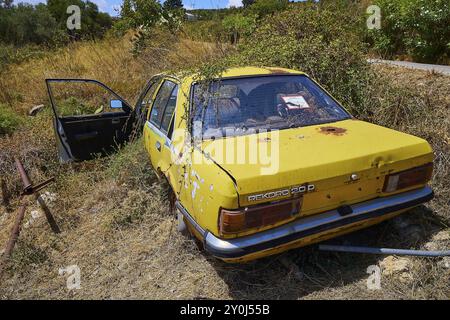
{"x": 173, "y": 4}
{"x": 6, "y": 3}
{"x": 265, "y": 7}
{"x": 205, "y": 30}
{"x": 94, "y": 24}
{"x": 247, "y": 3}
{"x": 419, "y": 28}
{"x": 11, "y": 54}
{"x": 9, "y": 120}
{"x": 24, "y": 23}
{"x": 214, "y": 14}
{"x": 75, "y": 107}
{"x": 140, "y": 13}
{"x": 238, "y": 25}
{"x": 43, "y": 24}
{"x": 299, "y": 39}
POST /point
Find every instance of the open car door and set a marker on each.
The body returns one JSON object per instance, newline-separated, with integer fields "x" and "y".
{"x": 90, "y": 119}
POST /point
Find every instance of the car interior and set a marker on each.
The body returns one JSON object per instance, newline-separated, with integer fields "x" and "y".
{"x": 269, "y": 105}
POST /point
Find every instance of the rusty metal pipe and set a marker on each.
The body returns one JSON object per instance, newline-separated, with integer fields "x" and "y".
{"x": 14, "y": 236}
{"x": 387, "y": 251}
{"x": 29, "y": 189}
{"x": 27, "y": 186}
{"x": 50, "y": 219}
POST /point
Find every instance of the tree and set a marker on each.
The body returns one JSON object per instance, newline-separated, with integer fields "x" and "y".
{"x": 419, "y": 28}
{"x": 93, "y": 23}
{"x": 7, "y": 4}
{"x": 46, "y": 24}
{"x": 238, "y": 24}
{"x": 248, "y": 3}
{"x": 265, "y": 7}
{"x": 173, "y": 4}
{"x": 137, "y": 13}
{"x": 24, "y": 23}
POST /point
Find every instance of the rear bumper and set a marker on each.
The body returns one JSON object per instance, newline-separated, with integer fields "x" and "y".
{"x": 301, "y": 228}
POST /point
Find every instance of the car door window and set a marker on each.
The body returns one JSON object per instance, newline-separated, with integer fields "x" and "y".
{"x": 147, "y": 100}
{"x": 169, "y": 110}
{"x": 161, "y": 100}
{"x": 90, "y": 119}
{"x": 83, "y": 97}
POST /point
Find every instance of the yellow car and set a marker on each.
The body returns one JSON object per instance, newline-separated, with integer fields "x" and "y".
{"x": 264, "y": 160}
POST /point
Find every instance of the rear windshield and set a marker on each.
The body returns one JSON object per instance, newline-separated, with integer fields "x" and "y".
{"x": 241, "y": 106}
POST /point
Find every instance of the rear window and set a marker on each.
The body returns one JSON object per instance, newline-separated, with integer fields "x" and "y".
{"x": 242, "y": 105}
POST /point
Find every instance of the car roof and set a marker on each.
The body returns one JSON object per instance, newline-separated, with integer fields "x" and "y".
{"x": 253, "y": 71}
{"x": 246, "y": 71}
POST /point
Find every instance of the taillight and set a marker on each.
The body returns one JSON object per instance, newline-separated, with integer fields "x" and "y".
{"x": 233, "y": 221}
{"x": 408, "y": 178}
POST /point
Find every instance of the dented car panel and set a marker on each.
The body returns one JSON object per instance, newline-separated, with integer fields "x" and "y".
{"x": 322, "y": 173}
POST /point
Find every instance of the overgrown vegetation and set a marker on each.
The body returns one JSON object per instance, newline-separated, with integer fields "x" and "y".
{"x": 415, "y": 28}
{"x": 9, "y": 120}
{"x": 329, "y": 52}
{"x": 45, "y": 24}
{"x": 29, "y": 31}
{"x": 115, "y": 221}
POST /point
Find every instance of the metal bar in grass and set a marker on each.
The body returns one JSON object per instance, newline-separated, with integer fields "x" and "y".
{"x": 388, "y": 251}
{"x": 30, "y": 189}
{"x": 13, "y": 238}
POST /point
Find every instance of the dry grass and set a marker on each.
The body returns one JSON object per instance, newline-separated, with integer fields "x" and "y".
{"x": 115, "y": 221}
{"x": 109, "y": 61}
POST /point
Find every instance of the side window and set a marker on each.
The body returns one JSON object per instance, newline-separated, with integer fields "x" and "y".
{"x": 83, "y": 98}
{"x": 168, "y": 112}
{"x": 148, "y": 99}
{"x": 161, "y": 100}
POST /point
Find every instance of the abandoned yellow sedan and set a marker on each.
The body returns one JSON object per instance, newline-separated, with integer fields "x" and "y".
{"x": 264, "y": 160}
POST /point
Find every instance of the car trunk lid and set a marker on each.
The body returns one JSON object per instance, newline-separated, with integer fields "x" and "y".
{"x": 340, "y": 163}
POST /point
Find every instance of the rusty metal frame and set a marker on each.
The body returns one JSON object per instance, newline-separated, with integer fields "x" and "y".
{"x": 28, "y": 190}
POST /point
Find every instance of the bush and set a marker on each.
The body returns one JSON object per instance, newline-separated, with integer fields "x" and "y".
{"x": 418, "y": 28}
{"x": 11, "y": 54}
{"x": 238, "y": 25}
{"x": 45, "y": 24}
{"x": 265, "y": 7}
{"x": 204, "y": 30}
{"x": 9, "y": 121}
{"x": 299, "y": 39}
{"x": 24, "y": 24}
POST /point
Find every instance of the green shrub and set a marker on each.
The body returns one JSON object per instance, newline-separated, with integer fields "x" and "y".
{"x": 204, "y": 30}
{"x": 9, "y": 120}
{"x": 265, "y": 7}
{"x": 46, "y": 24}
{"x": 419, "y": 28}
{"x": 238, "y": 25}
{"x": 10, "y": 54}
{"x": 299, "y": 39}
{"x": 75, "y": 107}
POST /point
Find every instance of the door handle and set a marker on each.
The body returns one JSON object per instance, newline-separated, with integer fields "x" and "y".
{"x": 158, "y": 146}
{"x": 115, "y": 121}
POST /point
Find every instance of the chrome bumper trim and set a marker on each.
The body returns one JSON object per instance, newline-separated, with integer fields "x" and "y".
{"x": 295, "y": 230}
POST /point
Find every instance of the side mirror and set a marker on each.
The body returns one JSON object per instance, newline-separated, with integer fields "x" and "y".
{"x": 116, "y": 104}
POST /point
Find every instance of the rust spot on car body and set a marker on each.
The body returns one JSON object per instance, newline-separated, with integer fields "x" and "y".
{"x": 333, "y": 130}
